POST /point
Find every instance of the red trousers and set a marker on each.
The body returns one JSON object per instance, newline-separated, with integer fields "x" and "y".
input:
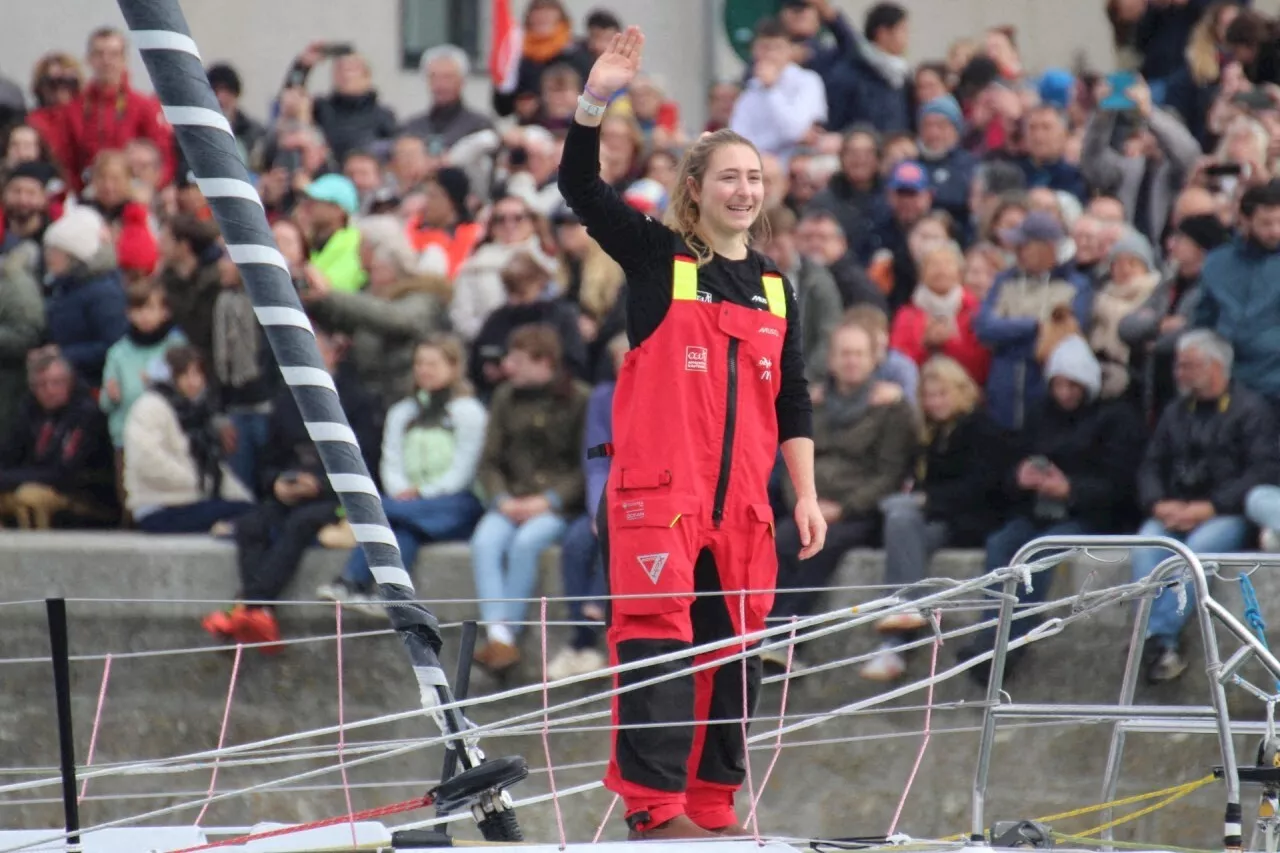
{"x": 679, "y": 745}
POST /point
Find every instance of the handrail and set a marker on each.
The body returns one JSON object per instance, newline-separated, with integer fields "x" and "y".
{"x": 1206, "y": 610}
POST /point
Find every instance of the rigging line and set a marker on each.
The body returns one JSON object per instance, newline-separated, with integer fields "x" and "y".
{"x": 841, "y": 617}
{"x": 222, "y": 733}
{"x": 97, "y": 723}
{"x": 842, "y": 621}
{"x": 342, "y": 729}
{"x": 180, "y": 807}
{"x": 546, "y": 727}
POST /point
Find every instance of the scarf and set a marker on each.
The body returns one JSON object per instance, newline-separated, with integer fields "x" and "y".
{"x": 544, "y": 48}
{"x": 143, "y": 339}
{"x": 843, "y": 408}
{"x": 894, "y": 69}
{"x": 195, "y": 417}
{"x": 432, "y": 410}
{"x": 938, "y": 305}
{"x": 236, "y": 339}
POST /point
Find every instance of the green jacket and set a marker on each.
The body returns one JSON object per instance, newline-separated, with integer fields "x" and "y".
{"x": 861, "y": 463}
{"x": 339, "y": 260}
{"x": 384, "y": 331}
{"x": 22, "y": 326}
{"x": 533, "y": 445}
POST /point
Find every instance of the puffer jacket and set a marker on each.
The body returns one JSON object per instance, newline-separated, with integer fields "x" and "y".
{"x": 86, "y": 313}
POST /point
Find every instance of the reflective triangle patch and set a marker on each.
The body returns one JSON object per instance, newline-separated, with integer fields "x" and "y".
{"x": 653, "y": 565}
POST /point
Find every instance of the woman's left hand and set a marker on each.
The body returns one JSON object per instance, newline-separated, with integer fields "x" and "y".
{"x": 812, "y": 526}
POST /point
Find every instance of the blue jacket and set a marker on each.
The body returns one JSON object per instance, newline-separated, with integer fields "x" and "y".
{"x": 1240, "y": 300}
{"x": 1056, "y": 176}
{"x": 951, "y": 174}
{"x": 1009, "y": 324}
{"x": 599, "y": 431}
{"x": 86, "y": 315}
{"x": 860, "y": 93}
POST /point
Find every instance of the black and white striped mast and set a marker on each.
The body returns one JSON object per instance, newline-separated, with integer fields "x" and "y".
{"x": 159, "y": 31}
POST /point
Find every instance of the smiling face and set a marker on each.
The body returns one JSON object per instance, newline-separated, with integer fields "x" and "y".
{"x": 732, "y": 191}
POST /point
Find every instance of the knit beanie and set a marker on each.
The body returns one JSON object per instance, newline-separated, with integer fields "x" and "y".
{"x": 78, "y": 233}
{"x": 1205, "y": 230}
{"x": 136, "y": 247}
{"x": 1072, "y": 359}
{"x": 1134, "y": 244}
{"x": 947, "y": 107}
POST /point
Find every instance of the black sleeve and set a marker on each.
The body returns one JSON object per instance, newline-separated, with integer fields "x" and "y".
{"x": 1151, "y": 489}
{"x": 793, "y": 406}
{"x": 1259, "y": 460}
{"x": 637, "y": 242}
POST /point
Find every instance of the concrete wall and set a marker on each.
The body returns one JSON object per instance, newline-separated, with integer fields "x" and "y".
{"x": 842, "y": 778}
{"x": 261, "y": 37}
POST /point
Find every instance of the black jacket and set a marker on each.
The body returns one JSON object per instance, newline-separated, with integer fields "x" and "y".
{"x": 1097, "y": 447}
{"x": 69, "y": 450}
{"x": 490, "y": 345}
{"x": 350, "y": 122}
{"x": 1215, "y": 451}
{"x": 290, "y": 448}
{"x": 962, "y": 479}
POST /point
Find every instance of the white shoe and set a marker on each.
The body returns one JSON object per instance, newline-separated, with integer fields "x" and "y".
{"x": 570, "y": 662}
{"x": 1269, "y": 540}
{"x": 901, "y": 623}
{"x": 336, "y": 591}
{"x": 366, "y": 604}
{"x": 887, "y": 665}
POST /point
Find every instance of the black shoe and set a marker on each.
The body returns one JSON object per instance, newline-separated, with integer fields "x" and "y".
{"x": 1161, "y": 662}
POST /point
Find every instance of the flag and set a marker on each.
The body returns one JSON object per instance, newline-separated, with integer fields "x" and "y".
{"x": 505, "y": 44}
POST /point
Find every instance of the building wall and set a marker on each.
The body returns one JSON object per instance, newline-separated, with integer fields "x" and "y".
{"x": 260, "y": 36}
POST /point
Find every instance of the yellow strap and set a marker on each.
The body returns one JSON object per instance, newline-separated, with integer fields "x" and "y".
{"x": 774, "y": 293}
{"x": 685, "y": 281}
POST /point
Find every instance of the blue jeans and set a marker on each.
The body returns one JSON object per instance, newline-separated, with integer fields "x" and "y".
{"x": 1222, "y": 534}
{"x": 498, "y": 540}
{"x": 192, "y": 518}
{"x": 416, "y": 521}
{"x": 1003, "y": 546}
{"x": 251, "y": 437}
{"x": 1262, "y": 507}
{"x": 583, "y": 576}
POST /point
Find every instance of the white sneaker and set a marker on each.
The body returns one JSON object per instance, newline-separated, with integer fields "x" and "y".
{"x": 1269, "y": 540}
{"x": 366, "y": 604}
{"x": 570, "y": 662}
{"x": 901, "y": 623}
{"x": 887, "y": 665}
{"x": 336, "y": 591}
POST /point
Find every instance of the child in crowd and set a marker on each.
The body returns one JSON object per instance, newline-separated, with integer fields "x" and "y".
{"x": 137, "y": 356}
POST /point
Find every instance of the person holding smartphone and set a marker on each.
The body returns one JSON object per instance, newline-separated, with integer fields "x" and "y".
{"x": 1071, "y": 473}
{"x": 351, "y": 116}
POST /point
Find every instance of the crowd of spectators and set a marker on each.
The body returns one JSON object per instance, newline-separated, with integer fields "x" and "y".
{"x": 1033, "y": 301}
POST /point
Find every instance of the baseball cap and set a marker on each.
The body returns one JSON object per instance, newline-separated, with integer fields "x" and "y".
{"x": 1038, "y": 226}
{"x": 909, "y": 176}
{"x": 335, "y": 189}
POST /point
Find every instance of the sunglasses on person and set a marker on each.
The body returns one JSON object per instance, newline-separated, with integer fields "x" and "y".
{"x": 61, "y": 82}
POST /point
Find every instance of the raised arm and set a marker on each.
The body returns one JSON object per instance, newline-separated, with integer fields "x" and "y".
{"x": 630, "y": 237}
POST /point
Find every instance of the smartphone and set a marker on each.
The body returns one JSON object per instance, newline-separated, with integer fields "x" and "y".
{"x": 1118, "y": 101}
{"x": 1040, "y": 463}
{"x": 1223, "y": 170}
{"x": 337, "y": 48}
{"x": 289, "y": 159}
{"x": 1253, "y": 100}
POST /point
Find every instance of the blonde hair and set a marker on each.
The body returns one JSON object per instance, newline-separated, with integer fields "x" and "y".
{"x": 948, "y": 371}
{"x": 949, "y": 250}
{"x": 451, "y": 347}
{"x": 683, "y": 214}
{"x": 601, "y": 280}
{"x": 1202, "y": 47}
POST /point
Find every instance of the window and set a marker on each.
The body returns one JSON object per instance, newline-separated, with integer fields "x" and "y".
{"x": 425, "y": 24}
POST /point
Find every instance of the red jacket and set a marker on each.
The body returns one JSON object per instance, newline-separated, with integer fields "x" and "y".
{"x": 907, "y": 337}
{"x": 100, "y": 119}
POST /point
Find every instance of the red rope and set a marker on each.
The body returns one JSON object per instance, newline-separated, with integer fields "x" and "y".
{"x": 97, "y": 720}
{"x": 342, "y": 726}
{"x": 746, "y": 715}
{"x": 368, "y": 814}
{"x": 222, "y": 734}
{"x": 928, "y": 724}
{"x": 782, "y": 716}
{"x": 546, "y": 728}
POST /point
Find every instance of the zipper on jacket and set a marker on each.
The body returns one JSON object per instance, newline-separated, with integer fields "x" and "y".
{"x": 726, "y": 446}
